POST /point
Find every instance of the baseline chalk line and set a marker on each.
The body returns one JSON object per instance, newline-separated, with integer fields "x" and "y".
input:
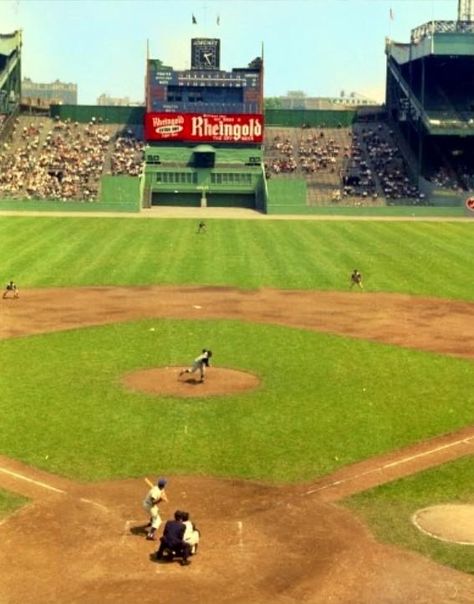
{"x": 36, "y": 482}
{"x": 390, "y": 465}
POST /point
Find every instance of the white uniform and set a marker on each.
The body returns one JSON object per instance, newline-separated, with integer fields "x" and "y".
{"x": 191, "y": 535}
{"x": 150, "y": 503}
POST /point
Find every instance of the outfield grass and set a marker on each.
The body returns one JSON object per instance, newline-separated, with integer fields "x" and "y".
{"x": 427, "y": 258}
{"x": 9, "y": 503}
{"x": 324, "y": 401}
{"x": 377, "y": 211}
{"x": 61, "y": 392}
{"x": 388, "y": 510}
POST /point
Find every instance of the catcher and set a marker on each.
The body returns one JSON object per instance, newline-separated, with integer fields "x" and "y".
{"x": 155, "y": 496}
{"x": 200, "y": 362}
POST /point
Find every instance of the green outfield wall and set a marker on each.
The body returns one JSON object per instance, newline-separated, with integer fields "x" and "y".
{"x": 295, "y": 118}
{"x": 120, "y": 192}
{"x": 108, "y": 115}
{"x": 273, "y": 117}
{"x": 286, "y": 196}
{"x": 117, "y": 194}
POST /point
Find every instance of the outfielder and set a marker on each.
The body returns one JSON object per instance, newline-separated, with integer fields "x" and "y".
{"x": 356, "y": 279}
{"x": 155, "y": 496}
{"x": 200, "y": 362}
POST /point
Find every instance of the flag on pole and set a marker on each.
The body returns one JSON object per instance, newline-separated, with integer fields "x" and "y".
{"x": 194, "y": 20}
{"x": 391, "y": 15}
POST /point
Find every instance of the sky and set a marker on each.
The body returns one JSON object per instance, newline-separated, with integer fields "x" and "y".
{"x": 321, "y": 47}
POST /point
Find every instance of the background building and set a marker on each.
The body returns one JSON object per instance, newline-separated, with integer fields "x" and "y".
{"x": 297, "y": 99}
{"x": 53, "y": 93}
{"x": 104, "y": 100}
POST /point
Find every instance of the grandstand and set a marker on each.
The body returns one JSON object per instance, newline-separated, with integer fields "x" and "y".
{"x": 63, "y": 160}
{"x": 199, "y": 140}
{"x": 10, "y": 79}
{"x": 430, "y": 104}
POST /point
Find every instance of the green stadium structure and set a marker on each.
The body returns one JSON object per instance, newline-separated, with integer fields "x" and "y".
{"x": 430, "y": 104}
{"x": 172, "y": 176}
{"x": 204, "y": 133}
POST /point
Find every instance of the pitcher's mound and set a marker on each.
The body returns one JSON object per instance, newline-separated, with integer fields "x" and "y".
{"x": 166, "y": 381}
{"x": 451, "y": 522}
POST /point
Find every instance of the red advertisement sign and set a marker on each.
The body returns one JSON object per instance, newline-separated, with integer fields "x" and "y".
{"x": 204, "y": 127}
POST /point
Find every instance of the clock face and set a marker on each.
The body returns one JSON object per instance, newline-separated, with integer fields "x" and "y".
{"x": 205, "y": 54}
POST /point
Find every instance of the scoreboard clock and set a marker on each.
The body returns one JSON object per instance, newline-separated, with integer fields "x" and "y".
{"x": 205, "y": 53}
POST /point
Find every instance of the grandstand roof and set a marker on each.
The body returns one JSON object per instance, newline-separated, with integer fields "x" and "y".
{"x": 10, "y": 42}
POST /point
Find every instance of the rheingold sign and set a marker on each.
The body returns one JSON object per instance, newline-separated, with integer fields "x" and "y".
{"x": 204, "y": 127}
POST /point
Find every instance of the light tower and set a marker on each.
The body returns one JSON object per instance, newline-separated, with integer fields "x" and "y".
{"x": 465, "y": 10}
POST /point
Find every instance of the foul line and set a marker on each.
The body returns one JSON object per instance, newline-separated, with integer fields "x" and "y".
{"x": 389, "y": 465}
{"x": 36, "y": 482}
{"x": 97, "y": 505}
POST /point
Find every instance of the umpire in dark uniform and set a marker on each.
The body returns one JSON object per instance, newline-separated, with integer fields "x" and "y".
{"x": 173, "y": 542}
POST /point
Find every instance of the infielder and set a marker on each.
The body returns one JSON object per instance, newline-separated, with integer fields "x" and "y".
{"x": 155, "y": 496}
{"x": 11, "y": 287}
{"x": 200, "y": 362}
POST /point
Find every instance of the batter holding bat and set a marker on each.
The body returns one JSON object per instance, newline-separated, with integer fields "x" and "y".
{"x": 155, "y": 496}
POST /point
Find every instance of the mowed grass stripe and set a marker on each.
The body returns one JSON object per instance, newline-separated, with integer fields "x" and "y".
{"x": 324, "y": 401}
{"x": 421, "y": 258}
{"x": 408, "y": 259}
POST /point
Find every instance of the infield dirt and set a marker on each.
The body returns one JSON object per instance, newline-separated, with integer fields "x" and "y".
{"x": 82, "y": 543}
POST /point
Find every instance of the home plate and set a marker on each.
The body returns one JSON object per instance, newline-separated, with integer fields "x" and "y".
{"x": 449, "y": 522}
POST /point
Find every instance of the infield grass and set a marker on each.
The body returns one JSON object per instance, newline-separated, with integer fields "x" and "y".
{"x": 434, "y": 259}
{"x": 388, "y": 509}
{"x": 324, "y": 401}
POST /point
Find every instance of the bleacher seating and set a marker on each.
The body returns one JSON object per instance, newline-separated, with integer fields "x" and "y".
{"x": 357, "y": 166}
{"x": 64, "y": 160}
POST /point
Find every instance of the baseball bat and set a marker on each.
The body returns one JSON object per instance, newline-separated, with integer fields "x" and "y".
{"x": 149, "y": 483}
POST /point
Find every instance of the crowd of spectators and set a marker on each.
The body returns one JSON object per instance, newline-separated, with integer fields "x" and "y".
{"x": 385, "y": 163}
{"x": 60, "y": 161}
{"x": 311, "y": 154}
{"x": 282, "y": 159}
{"x": 458, "y": 180}
{"x": 442, "y": 178}
{"x": 127, "y": 156}
{"x": 357, "y": 176}
{"x": 366, "y": 162}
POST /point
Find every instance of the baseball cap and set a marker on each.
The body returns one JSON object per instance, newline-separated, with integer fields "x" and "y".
{"x": 161, "y": 482}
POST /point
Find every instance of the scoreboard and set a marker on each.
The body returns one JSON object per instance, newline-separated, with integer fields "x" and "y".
{"x": 205, "y": 88}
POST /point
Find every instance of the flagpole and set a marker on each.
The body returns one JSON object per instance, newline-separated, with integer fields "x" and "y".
{"x": 146, "y": 72}
{"x": 262, "y": 98}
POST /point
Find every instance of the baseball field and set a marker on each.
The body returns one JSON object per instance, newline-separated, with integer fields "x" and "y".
{"x": 329, "y": 416}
